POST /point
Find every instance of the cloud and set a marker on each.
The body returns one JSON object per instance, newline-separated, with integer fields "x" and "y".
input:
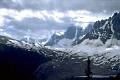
{"x": 44, "y": 16}
{"x": 4, "y": 33}
{"x": 63, "y": 5}
{"x": 43, "y": 19}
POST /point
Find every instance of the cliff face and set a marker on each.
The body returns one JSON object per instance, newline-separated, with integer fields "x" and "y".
{"x": 105, "y": 30}
{"x": 70, "y": 36}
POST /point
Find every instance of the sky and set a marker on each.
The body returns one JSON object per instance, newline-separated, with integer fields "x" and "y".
{"x": 40, "y": 18}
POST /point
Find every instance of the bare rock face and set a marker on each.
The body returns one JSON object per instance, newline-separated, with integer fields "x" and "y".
{"x": 105, "y": 30}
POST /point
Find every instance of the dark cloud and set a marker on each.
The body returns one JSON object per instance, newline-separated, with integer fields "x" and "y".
{"x": 90, "y": 5}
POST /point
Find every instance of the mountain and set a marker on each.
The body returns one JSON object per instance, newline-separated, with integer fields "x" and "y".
{"x": 17, "y": 62}
{"x": 17, "y": 57}
{"x": 85, "y": 31}
{"x": 24, "y": 60}
{"x": 99, "y": 43}
{"x": 28, "y": 40}
{"x": 104, "y": 38}
{"x": 54, "y": 39}
{"x": 102, "y": 44}
{"x": 70, "y": 36}
{"x": 104, "y": 32}
{"x": 20, "y": 60}
{"x": 31, "y": 41}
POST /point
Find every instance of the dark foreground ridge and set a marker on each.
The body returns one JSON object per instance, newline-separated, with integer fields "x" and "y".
{"x": 19, "y": 64}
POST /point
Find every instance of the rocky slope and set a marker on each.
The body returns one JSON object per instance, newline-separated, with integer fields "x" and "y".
{"x": 105, "y": 32}
{"x": 70, "y": 37}
{"x": 20, "y": 60}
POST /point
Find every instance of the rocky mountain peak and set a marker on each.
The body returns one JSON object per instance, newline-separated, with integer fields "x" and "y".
{"x": 105, "y": 30}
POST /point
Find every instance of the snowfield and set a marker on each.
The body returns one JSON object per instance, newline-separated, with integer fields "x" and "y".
{"x": 100, "y": 53}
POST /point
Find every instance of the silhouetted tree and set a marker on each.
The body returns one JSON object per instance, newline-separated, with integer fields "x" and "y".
{"x": 88, "y": 70}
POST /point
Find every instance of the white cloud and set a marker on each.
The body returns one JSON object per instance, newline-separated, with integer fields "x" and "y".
{"x": 2, "y": 21}
{"x": 76, "y": 17}
{"x": 4, "y": 33}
